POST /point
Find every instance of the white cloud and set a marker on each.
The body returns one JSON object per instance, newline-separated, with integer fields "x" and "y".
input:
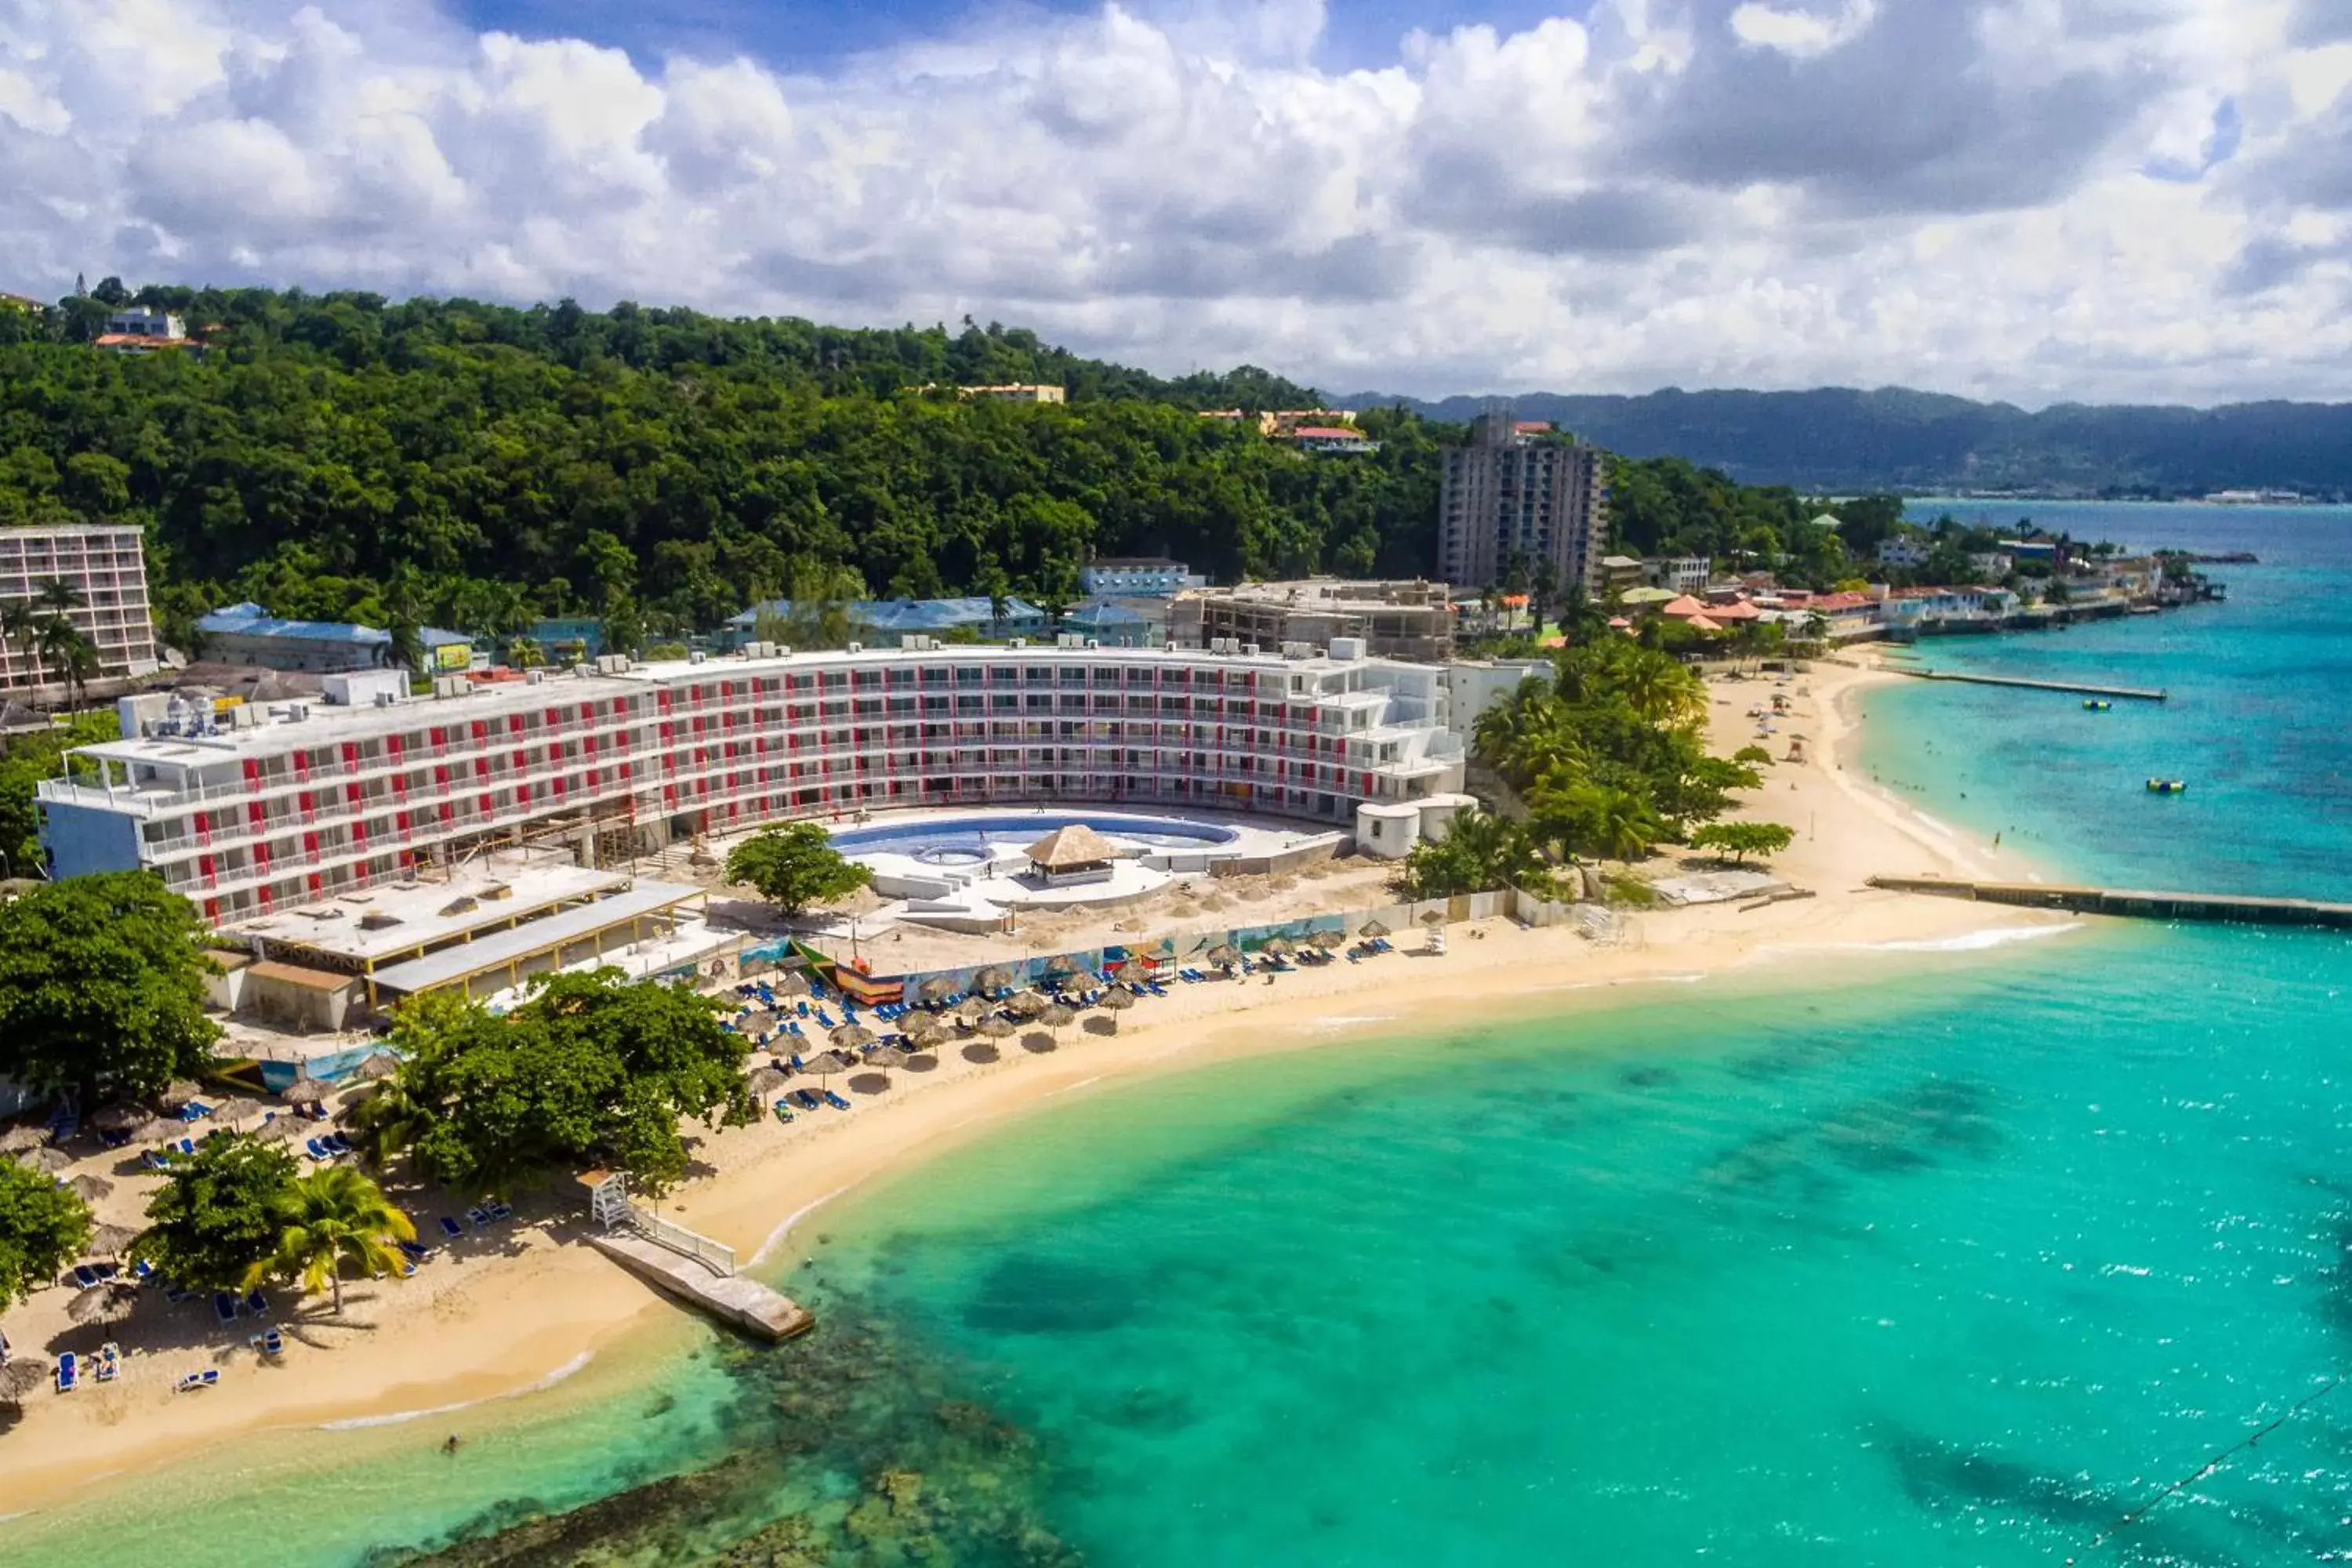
{"x": 1800, "y": 33}
{"x": 1947, "y": 192}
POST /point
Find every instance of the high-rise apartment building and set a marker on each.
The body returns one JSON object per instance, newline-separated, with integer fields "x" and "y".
{"x": 1522, "y": 495}
{"x": 106, "y": 565}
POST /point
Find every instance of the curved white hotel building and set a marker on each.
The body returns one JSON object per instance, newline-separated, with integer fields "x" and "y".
{"x": 260, "y": 809}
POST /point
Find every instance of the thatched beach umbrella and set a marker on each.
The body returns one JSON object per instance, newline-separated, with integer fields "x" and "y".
{"x": 925, "y": 1034}
{"x": 937, "y": 988}
{"x": 824, "y": 1064}
{"x": 235, "y": 1110}
{"x": 123, "y": 1118}
{"x": 997, "y": 1028}
{"x": 90, "y": 1189}
{"x": 17, "y": 1139}
{"x": 102, "y": 1303}
{"x": 1327, "y": 939}
{"x": 766, "y": 1080}
{"x": 19, "y": 1378}
{"x": 1278, "y": 947}
{"x": 852, "y": 1037}
{"x": 1028, "y": 1004}
{"x": 885, "y": 1057}
{"x": 379, "y": 1065}
{"x": 306, "y": 1090}
{"x": 1224, "y": 955}
{"x": 50, "y": 1161}
{"x": 277, "y": 1130}
{"x": 791, "y": 982}
{"x": 179, "y": 1093}
{"x": 1057, "y": 1018}
{"x": 993, "y": 978}
{"x": 111, "y": 1241}
{"x": 1373, "y": 931}
{"x": 1116, "y": 1003}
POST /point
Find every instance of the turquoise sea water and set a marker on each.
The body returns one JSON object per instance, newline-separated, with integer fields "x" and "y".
{"x": 1958, "y": 1262}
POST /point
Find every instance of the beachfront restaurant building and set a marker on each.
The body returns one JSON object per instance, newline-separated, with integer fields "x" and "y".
{"x": 311, "y": 801}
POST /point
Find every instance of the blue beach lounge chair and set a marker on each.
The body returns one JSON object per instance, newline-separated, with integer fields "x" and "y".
{"x": 270, "y": 1343}
{"x": 256, "y": 1304}
{"x": 225, "y": 1306}
{"x": 208, "y": 1378}
{"x": 836, "y": 1100}
{"x": 451, "y": 1228}
{"x": 68, "y": 1372}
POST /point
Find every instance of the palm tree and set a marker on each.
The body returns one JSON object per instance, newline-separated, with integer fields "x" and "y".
{"x": 73, "y": 656}
{"x": 20, "y": 623}
{"x": 58, "y": 596}
{"x": 524, "y": 654}
{"x": 331, "y": 1217}
{"x": 388, "y": 1120}
{"x": 60, "y": 646}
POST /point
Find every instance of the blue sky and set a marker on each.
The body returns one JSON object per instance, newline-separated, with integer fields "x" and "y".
{"x": 801, "y": 34}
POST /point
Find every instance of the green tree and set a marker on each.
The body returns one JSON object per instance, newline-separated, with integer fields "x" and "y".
{"x": 795, "y": 865}
{"x": 43, "y": 1227}
{"x": 101, "y": 986}
{"x": 591, "y": 1068}
{"x": 1738, "y": 840}
{"x": 331, "y": 1219}
{"x": 20, "y": 625}
{"x": 1480, "y": 852}
{"x": 219, "y": 1214}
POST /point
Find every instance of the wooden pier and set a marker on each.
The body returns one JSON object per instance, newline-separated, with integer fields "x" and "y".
{"x": 728, "y": 1297}
{"x": 2126, "y": 693}
{"x": 2233, "y": 908}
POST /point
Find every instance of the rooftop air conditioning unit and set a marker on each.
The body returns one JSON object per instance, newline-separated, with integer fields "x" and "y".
{"x": 1017, "y": 642}
{"x": 781, "y": 651}
{"x": 856, "y": 648}
{"x": 694, "y": 658}
{"x": 533, "y": 677}
{"x": 1094, "y": 642}
{"x": 297, "y": 712}
{"x": 386, "y": 698}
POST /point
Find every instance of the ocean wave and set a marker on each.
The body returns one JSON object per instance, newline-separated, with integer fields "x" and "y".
{"x": 1352, "y": 1020}
{"x": 398, "y": 1417}
{"x": 783, "y": 1227}
{"x": 1967, "y": 942}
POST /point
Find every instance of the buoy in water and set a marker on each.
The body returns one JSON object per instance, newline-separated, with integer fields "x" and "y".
{"x": 2096, "y": 705}
{"x": 2168, "y": 786}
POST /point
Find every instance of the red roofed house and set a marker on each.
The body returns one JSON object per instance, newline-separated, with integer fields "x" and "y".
{"x": 1332, "y": 438}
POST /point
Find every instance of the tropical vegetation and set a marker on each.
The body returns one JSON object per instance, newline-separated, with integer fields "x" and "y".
{"x": 592, "y": 1070}
{"x": 219, "y": 1213}
{"x": 102, "y": 987}
{"x": 1609, "y": 755}
{"x": 1736, "y": 841}
{"x": 43, "y": 1228}
{"x": 332, "y": 1220}
{"x": 794, "y": 866}
{"x": 1479, "y": 851}
{"x": 445, "y": 461}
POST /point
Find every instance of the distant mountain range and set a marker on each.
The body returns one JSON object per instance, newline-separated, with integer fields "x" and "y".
{"x": 1842, "y": 439}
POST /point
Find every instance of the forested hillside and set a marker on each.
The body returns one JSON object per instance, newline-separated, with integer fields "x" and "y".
{"x": 1841, "y": 439}
{"x": 474, "y": 465}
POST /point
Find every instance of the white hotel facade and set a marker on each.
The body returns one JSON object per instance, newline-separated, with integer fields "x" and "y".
{"x": 297, "y": 804}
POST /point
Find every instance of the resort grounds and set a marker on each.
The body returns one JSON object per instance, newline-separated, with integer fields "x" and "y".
{"x": 510, "y": 1307}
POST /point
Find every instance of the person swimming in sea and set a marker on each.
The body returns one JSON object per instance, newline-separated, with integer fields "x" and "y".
{"x": 450, "y": 1444}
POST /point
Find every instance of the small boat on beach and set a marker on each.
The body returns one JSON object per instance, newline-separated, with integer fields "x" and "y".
{"x": 2168, "y": 786}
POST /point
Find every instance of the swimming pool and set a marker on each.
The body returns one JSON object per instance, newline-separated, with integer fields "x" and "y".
{"x": 965, "y": 841}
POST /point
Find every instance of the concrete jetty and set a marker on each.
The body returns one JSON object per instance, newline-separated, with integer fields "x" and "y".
{"x": 727, "y": 1296}
{"x": 2132, "y": 903}
{"x": 2126, "y": 693}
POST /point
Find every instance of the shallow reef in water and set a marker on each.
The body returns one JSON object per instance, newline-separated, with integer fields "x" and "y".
{"x": 844, "y": 1451}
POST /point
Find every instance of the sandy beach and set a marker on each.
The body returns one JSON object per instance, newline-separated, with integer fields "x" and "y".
{"x": 510, "y": 1308}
